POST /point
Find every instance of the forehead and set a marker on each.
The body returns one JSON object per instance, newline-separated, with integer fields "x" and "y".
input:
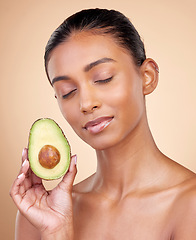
{"x": 83, "y": 48}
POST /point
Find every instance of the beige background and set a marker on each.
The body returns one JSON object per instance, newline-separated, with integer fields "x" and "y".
{"x": 168, "y": 30}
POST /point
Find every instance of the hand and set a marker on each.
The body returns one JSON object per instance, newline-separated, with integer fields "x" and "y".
{"x": 48, "y": 211}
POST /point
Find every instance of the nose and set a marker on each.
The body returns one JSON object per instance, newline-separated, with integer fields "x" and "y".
{"x": 89, "y": 100}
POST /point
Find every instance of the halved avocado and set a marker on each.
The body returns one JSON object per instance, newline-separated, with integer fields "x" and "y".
{"x": 48, "y": 150}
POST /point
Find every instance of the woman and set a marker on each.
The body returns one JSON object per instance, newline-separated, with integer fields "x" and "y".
{"x": 96, "y": 63}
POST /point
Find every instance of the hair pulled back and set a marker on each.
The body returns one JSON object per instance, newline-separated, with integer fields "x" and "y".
{"x": 99, "y": 21}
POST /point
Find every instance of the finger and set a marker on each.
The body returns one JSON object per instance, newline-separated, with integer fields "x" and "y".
{"x": 26, "y": 183}
{"x": 24, "y": 157}
{"x": 32, "y": 178}
{"x": 24, "y": 154}
{"x": 29, "y": 180}
{"x": 67, "y": 181}
{"x": 15, "y": 189}
{"x": 35, "y": 180}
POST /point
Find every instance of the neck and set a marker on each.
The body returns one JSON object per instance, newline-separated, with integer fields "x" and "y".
{"x": 129, "y": 165}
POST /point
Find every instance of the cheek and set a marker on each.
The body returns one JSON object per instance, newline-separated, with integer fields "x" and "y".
{"x": 128, "y": 102}
{"x": 123, "y": 95}
{"x": 69, "y": 113}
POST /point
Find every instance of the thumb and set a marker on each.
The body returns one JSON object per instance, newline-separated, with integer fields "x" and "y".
{"x": 68, "y": 180}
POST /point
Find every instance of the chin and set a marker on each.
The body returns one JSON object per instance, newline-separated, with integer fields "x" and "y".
{"x": 100, "y": 143}
{"x": 105, "y": 139}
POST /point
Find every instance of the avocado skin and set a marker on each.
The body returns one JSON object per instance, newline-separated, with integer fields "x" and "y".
{"x": 44, "y": 133}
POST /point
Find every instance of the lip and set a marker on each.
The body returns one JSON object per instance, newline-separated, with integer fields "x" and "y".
{"x": 97, "y": 125}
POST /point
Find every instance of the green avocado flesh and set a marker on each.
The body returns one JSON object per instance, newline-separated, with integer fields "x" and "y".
{"x": 48, "y": 150}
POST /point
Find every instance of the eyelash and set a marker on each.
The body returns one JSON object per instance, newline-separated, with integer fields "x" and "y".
{"x": 104, "y": 80}
{"x": 68, "y": 94}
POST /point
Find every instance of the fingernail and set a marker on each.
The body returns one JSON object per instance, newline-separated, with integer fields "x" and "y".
{"x": 75, "y": 159}
{"x": 24, "y": 162}
{"x": 19, "y": 176}
{"x": 23, "y": 151}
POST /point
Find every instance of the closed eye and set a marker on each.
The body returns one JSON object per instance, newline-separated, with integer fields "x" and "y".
{"x": 68, "y": 94}
{"x": 104, "y": 80}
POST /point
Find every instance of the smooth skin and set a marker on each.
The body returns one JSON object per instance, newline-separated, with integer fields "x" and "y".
{"x": 137, "y": 192}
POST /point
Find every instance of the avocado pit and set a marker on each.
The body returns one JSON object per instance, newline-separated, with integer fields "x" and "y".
{"x": 49, "y": 156}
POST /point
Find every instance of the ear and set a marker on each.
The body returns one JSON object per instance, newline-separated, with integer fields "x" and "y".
{"x": 150, "y": 75}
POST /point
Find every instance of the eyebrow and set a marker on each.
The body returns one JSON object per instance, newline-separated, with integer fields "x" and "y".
{"x": 86, "y": 68}
{"x": 93, "y": 64}
{"x": 59, "y": 78}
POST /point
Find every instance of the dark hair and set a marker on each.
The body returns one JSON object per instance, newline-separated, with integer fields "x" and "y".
{"x": 99, "y": 21}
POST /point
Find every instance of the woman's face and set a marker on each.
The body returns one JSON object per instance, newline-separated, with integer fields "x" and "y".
{"x": 98, "y": 88}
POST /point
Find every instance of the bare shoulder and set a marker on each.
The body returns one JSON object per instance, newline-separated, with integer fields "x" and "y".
{"x": 24, "y": 229}
{"x": 187, "y": 191}
{"x": 184, "y": 209}
{"x": 183, "y": 185}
